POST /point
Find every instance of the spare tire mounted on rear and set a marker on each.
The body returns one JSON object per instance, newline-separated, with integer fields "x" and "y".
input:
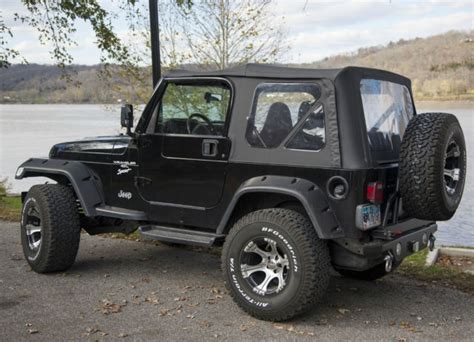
{"x": 432, "y": 166}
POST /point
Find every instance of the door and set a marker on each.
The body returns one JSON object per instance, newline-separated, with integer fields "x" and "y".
{"x": 183, "y": 156}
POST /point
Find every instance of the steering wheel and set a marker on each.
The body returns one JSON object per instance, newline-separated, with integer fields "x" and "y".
{"x": 210, "y": 127}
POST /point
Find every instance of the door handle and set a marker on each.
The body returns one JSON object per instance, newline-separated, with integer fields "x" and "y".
{"x": 209, "y": 147}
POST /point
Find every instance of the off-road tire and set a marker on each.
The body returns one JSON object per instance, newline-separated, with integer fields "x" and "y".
{"x": 422, "y": 162}
{"x": 371, "y": 274}
{"x": 60, "y": 234}
{"x": 309, "y": 265}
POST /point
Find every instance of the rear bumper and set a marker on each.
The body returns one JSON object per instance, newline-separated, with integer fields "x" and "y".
{"x": 410, "y": 242}
{"x": 362, "y": 256}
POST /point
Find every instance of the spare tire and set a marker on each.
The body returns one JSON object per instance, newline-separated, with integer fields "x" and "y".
{"x": 432, "y": 166}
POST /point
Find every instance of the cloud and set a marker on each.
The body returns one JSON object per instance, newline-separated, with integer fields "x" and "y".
{"x": 315, "y": 28}
{"x": 326, "y": 29}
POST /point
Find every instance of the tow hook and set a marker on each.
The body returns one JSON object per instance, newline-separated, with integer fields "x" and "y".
{"x": 431, "y": 243}
{"x": 388, "y": 262}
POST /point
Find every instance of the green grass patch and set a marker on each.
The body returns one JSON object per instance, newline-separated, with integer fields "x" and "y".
{"x": 415, "y": 267}
{"x": 10, "y": 208}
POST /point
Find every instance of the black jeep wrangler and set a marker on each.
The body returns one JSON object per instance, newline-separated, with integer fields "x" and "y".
{"x": 295, "y": 171}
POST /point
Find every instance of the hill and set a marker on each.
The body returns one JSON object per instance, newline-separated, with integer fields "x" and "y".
{"x": 35, "y": 83}
{"x": 441, "y": 67}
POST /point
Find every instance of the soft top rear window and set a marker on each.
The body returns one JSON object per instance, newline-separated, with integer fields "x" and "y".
{"x": 387, "y": 108}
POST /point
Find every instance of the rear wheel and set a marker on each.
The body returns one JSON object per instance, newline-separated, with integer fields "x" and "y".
{"x": 50, "y": 229}
{"x": 432, "y": 166}
{"x": 275, "y": 265}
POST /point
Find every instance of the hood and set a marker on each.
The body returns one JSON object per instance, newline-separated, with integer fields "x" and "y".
{"x": 109, "y": 145}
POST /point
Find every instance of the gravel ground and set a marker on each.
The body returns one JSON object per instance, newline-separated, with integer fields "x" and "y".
{"x": 135, "y": 291}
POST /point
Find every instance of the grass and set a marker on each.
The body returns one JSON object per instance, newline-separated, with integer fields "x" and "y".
{"x": 414, "y": 267}
{"x": 10, "y": 208}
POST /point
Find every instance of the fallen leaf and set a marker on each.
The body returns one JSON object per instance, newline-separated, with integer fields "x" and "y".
{"x": 215, "y": 290}
{"x": 343, "y": 311}
{"x": 153, "y": 300}
{"x": 205, "y": 324}
{"x": 108, "y": 307}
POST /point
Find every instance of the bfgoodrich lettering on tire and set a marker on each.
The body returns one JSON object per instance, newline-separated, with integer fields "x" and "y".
{"x": 50, "y": 230}
{"x": 274, "y": 264}
{"x": 432, "y": 166}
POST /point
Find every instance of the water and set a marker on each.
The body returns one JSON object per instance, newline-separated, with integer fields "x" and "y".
{"x": 459, "y": 231}
{"x": 30, "y": 131}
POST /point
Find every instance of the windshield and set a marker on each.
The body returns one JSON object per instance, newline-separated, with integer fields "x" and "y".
{"x": 388, "y": 108}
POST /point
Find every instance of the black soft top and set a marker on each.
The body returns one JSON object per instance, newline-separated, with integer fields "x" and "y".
{"x": 273, "y": 71}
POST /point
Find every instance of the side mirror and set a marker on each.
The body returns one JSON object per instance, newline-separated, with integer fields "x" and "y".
{"x": 126, "y": 117}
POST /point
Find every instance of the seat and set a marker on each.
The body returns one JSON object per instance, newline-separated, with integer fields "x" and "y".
{"x": 277, "y": 125}
{"x": 305, "y": 106}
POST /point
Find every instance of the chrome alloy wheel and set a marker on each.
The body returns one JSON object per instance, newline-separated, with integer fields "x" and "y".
{"x": 264, "y": 266}
{"x": 452, "y": 171}
{"x": 33, "y": 230}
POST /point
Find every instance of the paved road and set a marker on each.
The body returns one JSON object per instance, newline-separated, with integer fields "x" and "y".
{"x": 127, "y": 290}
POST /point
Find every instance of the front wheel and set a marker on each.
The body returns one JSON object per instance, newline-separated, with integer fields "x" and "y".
{"x": 50, "y": 229}
{"x": 275, "y": 265}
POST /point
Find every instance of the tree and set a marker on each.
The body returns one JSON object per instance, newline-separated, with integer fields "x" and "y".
{"x": 213, "y": 34}
{"x": 222, "y": 33}
{"x": 208, "y": 33}
{"x": 55, "y": 21}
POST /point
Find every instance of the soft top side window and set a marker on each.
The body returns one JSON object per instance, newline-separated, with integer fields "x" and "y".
{"x": 195, "y": 108}
{"x": 278, "y": 109}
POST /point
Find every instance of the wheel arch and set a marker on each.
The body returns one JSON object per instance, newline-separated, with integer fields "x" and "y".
{"x": 281, "y": 191}
{"x": 86, "y": 185}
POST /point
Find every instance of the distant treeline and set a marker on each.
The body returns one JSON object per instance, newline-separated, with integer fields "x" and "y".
{"x": 440, "y": 67}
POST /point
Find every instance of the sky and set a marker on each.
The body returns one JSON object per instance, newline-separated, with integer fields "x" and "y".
{"x": 315, "y": 29}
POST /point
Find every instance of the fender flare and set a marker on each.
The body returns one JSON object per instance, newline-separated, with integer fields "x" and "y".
{"x": 87, "y": 186}
{"x": 307, "y": 193}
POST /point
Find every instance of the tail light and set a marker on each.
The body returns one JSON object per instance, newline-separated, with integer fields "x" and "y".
{"x": 375, "y": 192}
